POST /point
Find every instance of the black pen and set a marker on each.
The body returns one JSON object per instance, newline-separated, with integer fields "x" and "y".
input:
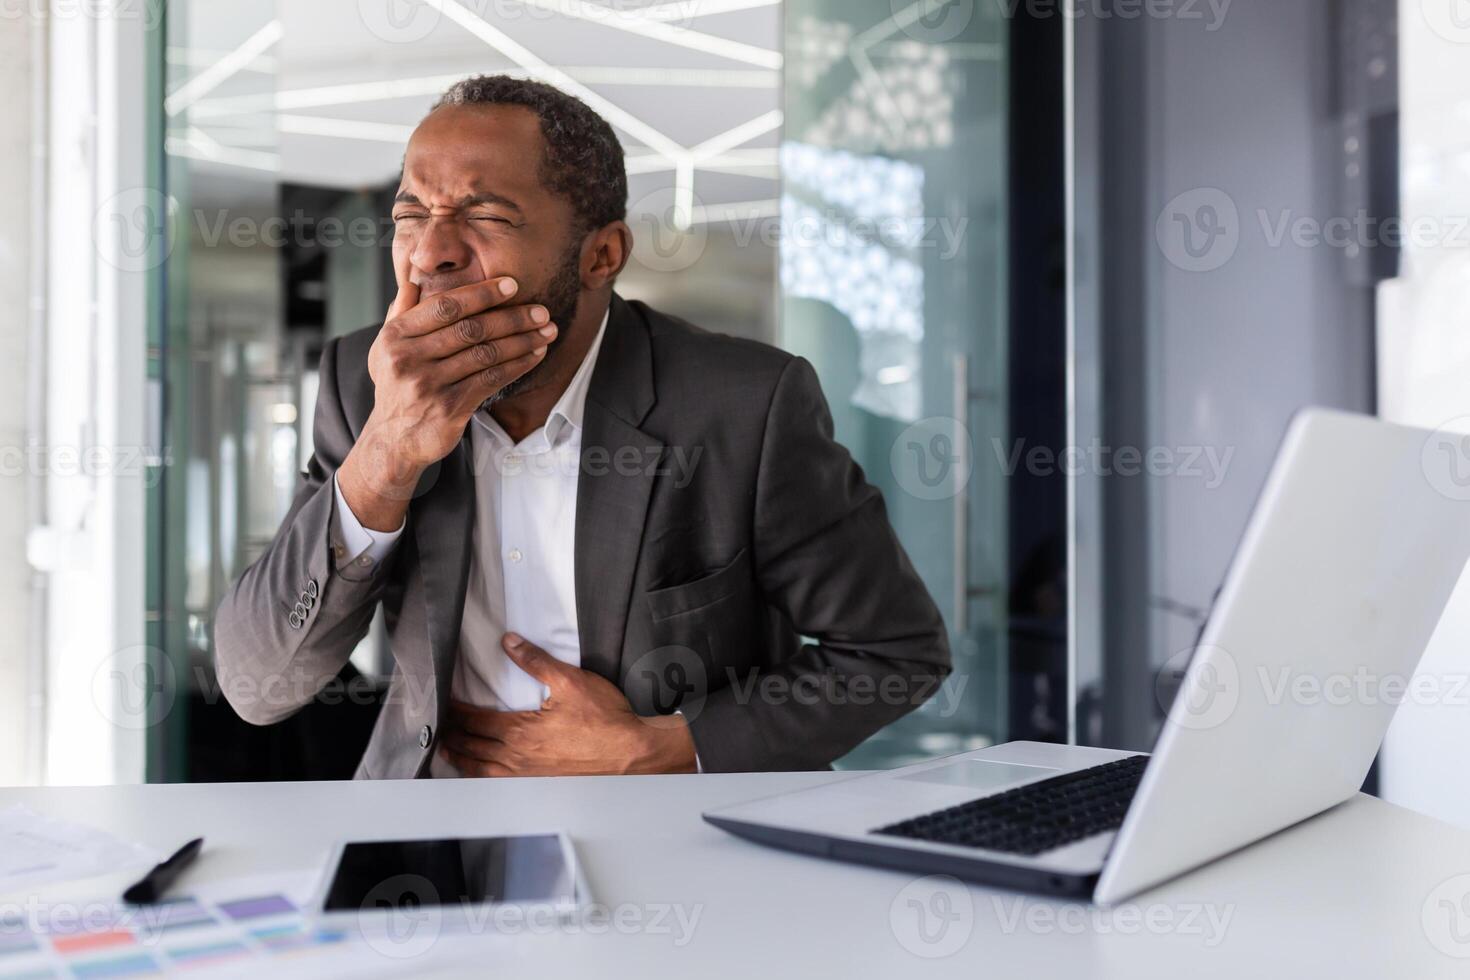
{"x": 156, "y": 882}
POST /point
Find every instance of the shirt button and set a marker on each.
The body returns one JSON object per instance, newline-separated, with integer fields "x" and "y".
{"x": 426, "y": 735}
{"x": 515, "y": 555}
{"x": 365, "y": 561}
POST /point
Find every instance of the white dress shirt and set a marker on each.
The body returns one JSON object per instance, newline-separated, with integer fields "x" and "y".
{"x": 522, "y": 561}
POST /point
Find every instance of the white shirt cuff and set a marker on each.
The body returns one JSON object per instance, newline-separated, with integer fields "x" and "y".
{"x": 351, "y": 542}
{"x": 698, "y": 766}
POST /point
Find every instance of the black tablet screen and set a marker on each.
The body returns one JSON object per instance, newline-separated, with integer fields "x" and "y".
{"x": 469, "y": 871}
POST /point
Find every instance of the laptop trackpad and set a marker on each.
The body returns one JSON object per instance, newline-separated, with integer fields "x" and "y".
{"x": 975, "y": 774}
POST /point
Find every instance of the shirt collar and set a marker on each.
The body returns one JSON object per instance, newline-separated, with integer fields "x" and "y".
{"x": 570, "y": 409}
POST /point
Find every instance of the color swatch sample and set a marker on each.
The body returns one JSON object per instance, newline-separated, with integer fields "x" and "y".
{"x": 131, "y": 965}
{"x": 183, "y": 913}
{"x": 39, "y": 973}
{"x": 294, "y": 936}
{"x": 209, "y": 954}
{"x": 182, "y": 935}
{"x": 16, "y": 938}
{"x": 255, "y": 908}
{"x": 83, "y": 942}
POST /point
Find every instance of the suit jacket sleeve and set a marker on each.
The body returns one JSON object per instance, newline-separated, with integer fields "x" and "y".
{"x": 828, "y": 559}
{"x": 267, "y": 668}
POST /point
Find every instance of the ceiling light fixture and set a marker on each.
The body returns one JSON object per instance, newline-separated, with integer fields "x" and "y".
{"x": 207, "y": 149}
{"x": 683, "y": 158}
{"x": 689, "y": 9}
{"x": 222, "y": 70}
{"x": 351, "y": 129}
{"x": 631, "y": 22}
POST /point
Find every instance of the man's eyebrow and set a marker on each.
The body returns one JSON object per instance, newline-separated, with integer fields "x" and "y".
{"x": 489, "y": 197}
{"x": 483, "y": 197}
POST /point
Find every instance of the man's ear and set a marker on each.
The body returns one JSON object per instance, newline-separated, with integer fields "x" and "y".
{"x": 604, "y": 254}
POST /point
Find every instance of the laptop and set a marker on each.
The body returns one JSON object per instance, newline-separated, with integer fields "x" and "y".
{"x": 1355, "y": 546}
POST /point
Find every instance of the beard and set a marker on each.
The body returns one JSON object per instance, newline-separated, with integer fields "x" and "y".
{"x": 561, "y": 297}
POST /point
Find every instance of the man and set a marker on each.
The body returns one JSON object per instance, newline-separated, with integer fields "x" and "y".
{"x": 599, "y": 535}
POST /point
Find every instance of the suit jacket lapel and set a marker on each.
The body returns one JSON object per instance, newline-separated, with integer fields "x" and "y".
{"x": 619, "y": 462}
{"x": 443, "y": 517}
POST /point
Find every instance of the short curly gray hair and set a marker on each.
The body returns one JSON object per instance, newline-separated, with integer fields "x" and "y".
{"x": 584, "y": 160}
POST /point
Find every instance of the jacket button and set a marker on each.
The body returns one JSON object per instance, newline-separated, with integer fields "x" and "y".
{"x": 426, "y": 735}
{"x": 294, "y": 620}
{"x": 311, "y": 588}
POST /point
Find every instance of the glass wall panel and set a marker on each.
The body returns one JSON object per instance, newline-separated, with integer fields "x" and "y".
{"x": 286, "y": 125}
{"x": 894, "y": 284}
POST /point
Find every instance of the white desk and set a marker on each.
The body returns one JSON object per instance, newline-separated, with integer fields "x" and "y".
{"x": 1345, "y": 895}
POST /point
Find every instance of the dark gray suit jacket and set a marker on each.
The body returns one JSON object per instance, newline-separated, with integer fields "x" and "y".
{"x": 731, "y": 562}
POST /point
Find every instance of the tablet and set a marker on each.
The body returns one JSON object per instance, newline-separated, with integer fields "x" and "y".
{"x": 457, "y": 880}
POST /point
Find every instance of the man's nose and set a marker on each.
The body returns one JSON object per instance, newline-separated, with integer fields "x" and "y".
{"x": 441, "y": 247}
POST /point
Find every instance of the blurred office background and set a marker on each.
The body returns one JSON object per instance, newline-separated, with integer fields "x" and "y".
{"x": 1056, "y": 273}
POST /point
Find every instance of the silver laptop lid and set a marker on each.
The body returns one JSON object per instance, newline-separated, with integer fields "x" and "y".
{"x": 1342, "y": 575}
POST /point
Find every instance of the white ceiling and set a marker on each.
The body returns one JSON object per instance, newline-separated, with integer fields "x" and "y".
{"x": 325, "y": 92}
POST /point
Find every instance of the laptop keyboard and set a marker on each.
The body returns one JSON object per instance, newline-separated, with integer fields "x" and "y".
{"x": 1035, "y": 818}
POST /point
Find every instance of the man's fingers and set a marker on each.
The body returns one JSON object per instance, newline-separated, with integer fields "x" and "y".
{"x": 474, "y": 747}
{"x": 486, "y": 722}
{"x": 475, "y": 767}
{"x": 491, "y": 325}
{"x": 492, "y": 352}
{"x": 535, "y": 661}
{"x": 407, "y": 299}
{"x": 483, "y": 384}
{"x": 448, "y": 307}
